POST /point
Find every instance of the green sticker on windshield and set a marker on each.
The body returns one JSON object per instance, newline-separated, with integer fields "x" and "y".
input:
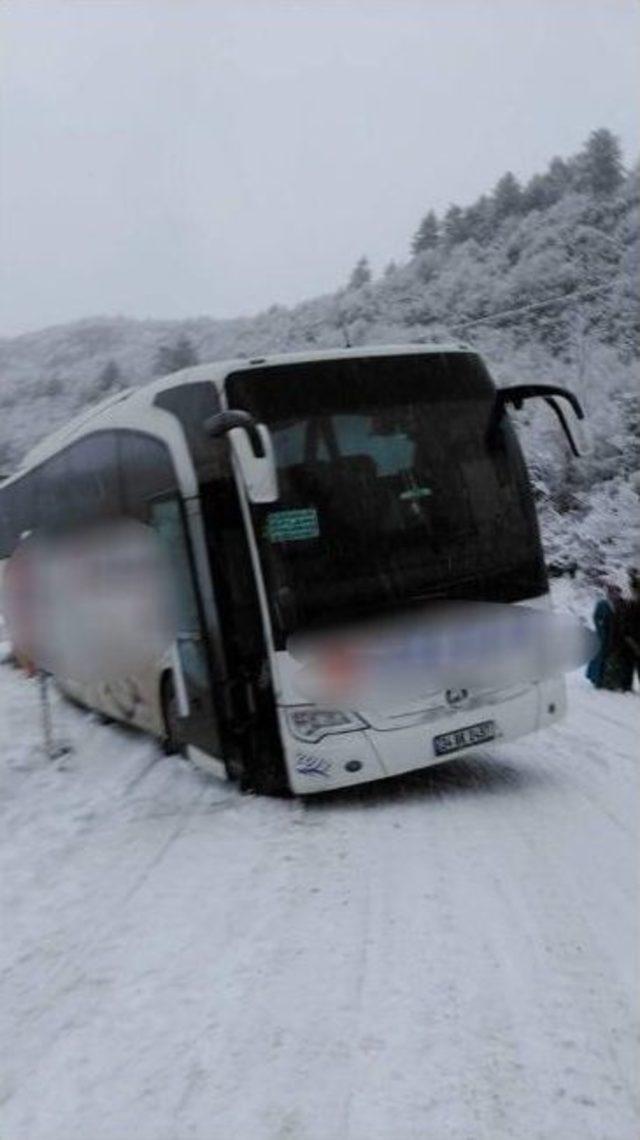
{"x": 290, "y": 526}
{"x": 416, "y": 493}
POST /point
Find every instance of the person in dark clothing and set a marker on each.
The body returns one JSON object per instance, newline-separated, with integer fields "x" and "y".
{"x": 612, "y": 666}
{"x": 631, "y": 631}
{"x": 602, "y": 621}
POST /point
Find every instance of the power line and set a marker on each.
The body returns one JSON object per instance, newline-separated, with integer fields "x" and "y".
{"x": 560, "y": 299}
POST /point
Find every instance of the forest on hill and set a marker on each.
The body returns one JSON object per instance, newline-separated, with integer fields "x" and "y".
{"x": 541, "y": 278}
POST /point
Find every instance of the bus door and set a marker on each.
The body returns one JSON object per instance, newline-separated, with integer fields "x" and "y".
{"x": 198, "y": 721}
{"x": 253, "y": 740}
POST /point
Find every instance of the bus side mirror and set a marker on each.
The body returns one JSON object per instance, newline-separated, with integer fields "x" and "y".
{"x": 253, "y": 450}
{"x": 518, "y": 393}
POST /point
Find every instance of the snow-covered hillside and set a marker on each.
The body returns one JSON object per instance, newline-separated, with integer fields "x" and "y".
{"x": 449, "y": 956}
{"x": 546, "y": 293}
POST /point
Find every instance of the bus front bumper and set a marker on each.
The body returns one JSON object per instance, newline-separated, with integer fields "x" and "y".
{"x": 344, "y": 759}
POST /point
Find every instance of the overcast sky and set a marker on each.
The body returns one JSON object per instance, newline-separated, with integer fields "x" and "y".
{"x": 172, "y": 158}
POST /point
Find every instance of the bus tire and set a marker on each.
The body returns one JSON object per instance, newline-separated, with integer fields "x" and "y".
{"x": 263, "y": 769}
{"x": 169, "y": 703}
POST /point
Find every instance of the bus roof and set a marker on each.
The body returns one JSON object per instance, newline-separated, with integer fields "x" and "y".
{"x": 218, "y": 370}
{"x": 107, "y": 413}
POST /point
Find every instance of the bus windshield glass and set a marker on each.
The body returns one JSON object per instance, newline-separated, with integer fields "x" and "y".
{"x": 390, "y": 492}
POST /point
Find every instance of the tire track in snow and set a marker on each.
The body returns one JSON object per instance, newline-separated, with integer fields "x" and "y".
{"x": 436, "y": 958}
{"x": 69, "y": 976}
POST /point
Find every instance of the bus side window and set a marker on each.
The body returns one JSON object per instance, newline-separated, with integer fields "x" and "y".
{"x": 25, "y": 518}
{"x": 192, "y": 404}
{"x": 146, "y": 471}
{"x": 92, "y": 478}
{"x": 167, "y": 518}
{"x": 17, "y": 509}
{"x": 8, "y": 520}
{"x": 51, "y": 493}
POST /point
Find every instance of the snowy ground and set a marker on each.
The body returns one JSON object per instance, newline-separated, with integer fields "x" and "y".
{"x": 446, "y": 958}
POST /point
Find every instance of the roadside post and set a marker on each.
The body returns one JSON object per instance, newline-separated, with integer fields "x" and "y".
{"x": 54, "y": 750}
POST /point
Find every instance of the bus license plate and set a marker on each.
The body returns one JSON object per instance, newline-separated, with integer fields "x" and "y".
{"x": 464, "y": 737}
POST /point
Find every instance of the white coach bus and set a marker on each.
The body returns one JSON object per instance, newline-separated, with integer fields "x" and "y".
{"x": 297, "y": 494}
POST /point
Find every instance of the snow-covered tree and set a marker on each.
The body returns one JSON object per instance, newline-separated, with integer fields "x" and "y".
{"x": 109, "y": 378}
{"x": 7, "y": 458}
{"x": 427, "y": 235}
{"x": 360, "y": 275}
{"x": 480, "y": 220}
{"x": 53, "y": 386}
{"x": 535, "y": 195}
{"x": 173, "y": 357}
{"x": 507, "y": 197}
{"x": 599, "y": 166}
{"x": 559, "y": 179}
{"x": 455, "y": 226}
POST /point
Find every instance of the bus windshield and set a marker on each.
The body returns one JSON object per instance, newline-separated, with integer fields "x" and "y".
{"x": 390, "y": 493}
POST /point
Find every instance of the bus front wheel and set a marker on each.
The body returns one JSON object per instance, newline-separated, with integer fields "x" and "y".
{"x": 262, "y": 767}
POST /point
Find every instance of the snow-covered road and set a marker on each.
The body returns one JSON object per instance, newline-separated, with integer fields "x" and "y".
{"x": 449, "y": 957}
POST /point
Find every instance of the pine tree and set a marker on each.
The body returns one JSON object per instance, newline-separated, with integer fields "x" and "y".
{"x": 361, "y": 274}
{"x": 109, "y": 378}
{"x": 173, "y": 357}
{"x": 536, "y": 194}
{"x": 559, "y": 179}
{"x": 455, "y": 228}
{"x": 53, "y": 386}
{"x": 507, "y": 197}
{"x": 479, "y": 220}
{"x": 427, "y": 235}
{"x": 7, "y": 458}
{"x": 599, "y": 167}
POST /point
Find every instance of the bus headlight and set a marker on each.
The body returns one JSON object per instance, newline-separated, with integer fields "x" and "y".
{"x": 312, "y": 724}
